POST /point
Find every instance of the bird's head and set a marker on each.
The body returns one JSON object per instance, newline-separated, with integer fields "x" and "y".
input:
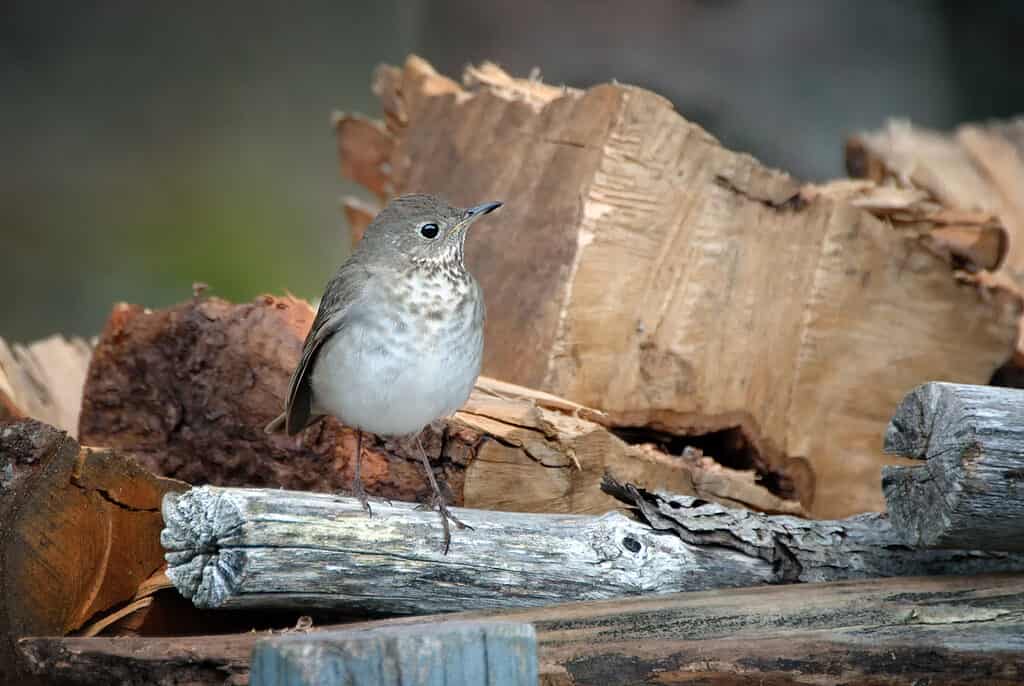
{"x": 423, "y": 228}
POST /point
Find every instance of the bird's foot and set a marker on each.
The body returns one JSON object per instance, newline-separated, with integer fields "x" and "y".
{"x": 446, "y": 517}
{"x": 364, "y": 498}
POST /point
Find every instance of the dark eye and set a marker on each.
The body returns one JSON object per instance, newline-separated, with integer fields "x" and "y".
{"x": 429, "y": 230}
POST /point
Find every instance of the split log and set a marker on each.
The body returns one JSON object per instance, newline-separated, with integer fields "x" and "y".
{"x": 44, "y": 380}
{"x": 970, "y": 491}
{"x": 646, "y": 271}
{"x": 187, "y": 390}
{"x": 80, "y": 532}
{"x": 430, "y": 654}
{"x": 970, "y": 239}
{"x": 976, "y": 167}
{"x": 950, "y": 630}
{"x": 270, "y": 548}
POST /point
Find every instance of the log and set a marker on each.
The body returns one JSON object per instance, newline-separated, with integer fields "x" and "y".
{"x": 639, "y": 272}
{"x": 430, "y": 654}
{"x": 187, "y": 390}
{"x": 80, "y": 533}
{"x": 973, "y": 240}
{"x": 44, "y": 380}
{"x": 969, "y": 493}
{"x": 907, "y": 631}
{"x": 976, "y": 167}
{"x": 236, "y": 548}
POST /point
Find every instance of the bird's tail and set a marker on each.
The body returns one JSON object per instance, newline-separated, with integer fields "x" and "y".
{"x": 276, "y": 425}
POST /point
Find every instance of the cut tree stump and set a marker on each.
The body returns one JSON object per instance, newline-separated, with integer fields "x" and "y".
{"x": 262, "y": 548}
{"x": 187, "y": 390}
{"x": 644, "y": 270}
{"x": 430, "y": 654}
{"x": 80, "y": 532}
{"x": 909, "y": 631}
{"x": 970, "y": 491}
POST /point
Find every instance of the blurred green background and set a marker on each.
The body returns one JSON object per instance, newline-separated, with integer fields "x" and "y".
{"x": 150, "y": 145}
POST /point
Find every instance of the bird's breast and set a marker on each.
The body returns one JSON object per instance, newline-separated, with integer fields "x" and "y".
{"x": 405, "y": 362}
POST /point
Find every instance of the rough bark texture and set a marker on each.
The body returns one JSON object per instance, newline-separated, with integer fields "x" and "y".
{"x": 80, "y": 532}
{"x": 431, "y": 654}
{"x": 188, "y": 390}
{"x": 944, "y": 630}
{"x": 645, "y": 270}
{"x": 280, "y": 549}
{"x": 970, "y": 491}
{"x": 44, "y": 380}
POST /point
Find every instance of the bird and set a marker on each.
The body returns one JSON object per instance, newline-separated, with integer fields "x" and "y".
{"x": 397, "y": 341}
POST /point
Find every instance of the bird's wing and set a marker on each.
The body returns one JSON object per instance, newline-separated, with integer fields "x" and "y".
{"x": 341, "y": 294}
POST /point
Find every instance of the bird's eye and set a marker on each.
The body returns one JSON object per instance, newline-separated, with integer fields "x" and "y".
{"x": 429, "y": 230}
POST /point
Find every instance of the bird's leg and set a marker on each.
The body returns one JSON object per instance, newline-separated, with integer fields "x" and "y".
{"x": 439, "y": 499}
{"x": 357, "y": 480}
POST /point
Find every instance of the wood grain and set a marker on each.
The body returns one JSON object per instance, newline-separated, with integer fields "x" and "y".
{"x": 80, "y": 532}
{"x": 264, "y": 548}
{"x": 881, "y": 632}
{"x": 970, "y": 491}
{"x": 464, "y": 653}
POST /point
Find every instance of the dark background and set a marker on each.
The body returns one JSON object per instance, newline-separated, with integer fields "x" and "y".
{"x": 147, "y": 145}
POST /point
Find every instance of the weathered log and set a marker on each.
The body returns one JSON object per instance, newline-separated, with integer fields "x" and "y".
{"x": 908, "y": 631}
{"x": 431, "y": 654}
{"x": 644, "y": 259}
{"x": 44, "y": 380}
{"x": 79, "y": 532}
{"x": 270, "y": 548}
{"x": 187, "y": 390}
{"x": 970, "y": 491}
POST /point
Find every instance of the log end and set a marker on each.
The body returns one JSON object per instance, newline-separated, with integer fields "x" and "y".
{"x": 194, "y": 523}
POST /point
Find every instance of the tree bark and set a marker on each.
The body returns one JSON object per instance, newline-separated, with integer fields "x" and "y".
{"x": 970, "y": 491}
{"x": 236, "y": 548}
{"x": 187, "y": 390}
{"x": 906, "y": 631}
{"x": 644, "y": 270}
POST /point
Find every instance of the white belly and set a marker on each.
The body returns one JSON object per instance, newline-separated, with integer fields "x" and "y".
{"x": 377, "y": 384}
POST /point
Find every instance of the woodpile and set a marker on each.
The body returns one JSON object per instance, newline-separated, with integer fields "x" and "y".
{"x": 731, "y": 428}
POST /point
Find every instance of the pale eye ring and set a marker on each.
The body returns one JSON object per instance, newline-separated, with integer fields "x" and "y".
{"x": 430, "y": 230}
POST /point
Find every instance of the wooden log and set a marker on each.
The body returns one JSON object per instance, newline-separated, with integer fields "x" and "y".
{"x": 270, "y": 548}
{"x": 44, "y": 380}
{"x": 639, "y": 271}
{"x": 969, "y": 493}
{"x": 972, "y": 239}
{"x": 430, "y": 654}
{"x": 976, "y": 167}
{"x": 906, "y": 631}
{"x": 80, "y": 532}
{"x": 187, "y": 390}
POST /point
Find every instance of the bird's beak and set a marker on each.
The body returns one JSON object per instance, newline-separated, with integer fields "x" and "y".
{"x": 474, "y": 213}
{"x": 483, "y": 209}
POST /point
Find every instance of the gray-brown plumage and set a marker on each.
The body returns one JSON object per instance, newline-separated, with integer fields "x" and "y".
{"x": 397, "y": 341}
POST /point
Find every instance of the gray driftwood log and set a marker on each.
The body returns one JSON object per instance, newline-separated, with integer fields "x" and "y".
{"x": 460, "y": 653}
{"x": 907, "y": 631}
{"x": 232, "y": 548}
{"x": 969, "y": 493}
